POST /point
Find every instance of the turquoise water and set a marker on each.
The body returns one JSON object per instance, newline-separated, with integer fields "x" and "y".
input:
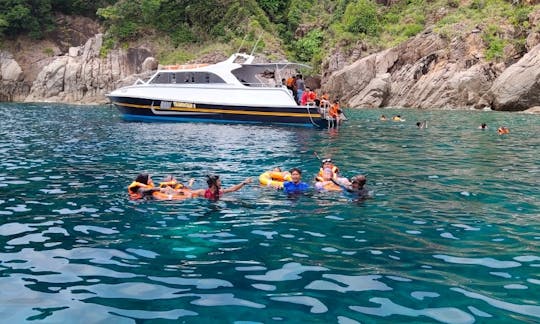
{"x": 452, "y": 234}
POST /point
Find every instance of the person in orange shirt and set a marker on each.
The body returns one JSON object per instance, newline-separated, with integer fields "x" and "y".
{"x": 335, "y": 112}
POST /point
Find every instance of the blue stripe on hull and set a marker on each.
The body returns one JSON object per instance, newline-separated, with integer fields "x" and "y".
{"x": 146, "y": 118}
{"x": 134, "y": 109}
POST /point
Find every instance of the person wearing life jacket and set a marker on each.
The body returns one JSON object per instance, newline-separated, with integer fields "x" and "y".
{"x": 327, "y": 164}
{"x": 327, "y": 182}
{"x": 171, "y": 182}
{"x": 141, "y": 187}
{"x": 214, "y": 190}
{"x": 335, "y": 112}
{"x": 171, "y": 187}
{"x": 503, "y": 130}
{"x": 291, "y": 85}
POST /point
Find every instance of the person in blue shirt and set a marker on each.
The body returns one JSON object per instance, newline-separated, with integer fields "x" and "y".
{"x": 296, "y": 185}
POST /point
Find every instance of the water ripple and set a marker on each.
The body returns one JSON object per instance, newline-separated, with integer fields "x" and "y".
{"x": 450, "y": 235}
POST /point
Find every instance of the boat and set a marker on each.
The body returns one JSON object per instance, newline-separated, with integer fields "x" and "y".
{"x": 231, "y": 91}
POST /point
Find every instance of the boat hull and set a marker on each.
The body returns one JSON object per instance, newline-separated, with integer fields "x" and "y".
{"x": 137, "y": 109}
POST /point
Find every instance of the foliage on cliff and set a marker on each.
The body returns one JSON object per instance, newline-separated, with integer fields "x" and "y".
{"x": 305, "y": 30}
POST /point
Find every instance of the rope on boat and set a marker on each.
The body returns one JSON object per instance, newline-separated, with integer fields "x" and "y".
{"x": 311, "y": 118}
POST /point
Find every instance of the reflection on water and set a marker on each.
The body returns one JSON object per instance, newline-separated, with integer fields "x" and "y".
{"x": 452, "y": 234}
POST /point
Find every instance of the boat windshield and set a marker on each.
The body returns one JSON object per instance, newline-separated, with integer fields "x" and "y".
{"x": 174, "y": 77}
{"x": 256, "y": 77}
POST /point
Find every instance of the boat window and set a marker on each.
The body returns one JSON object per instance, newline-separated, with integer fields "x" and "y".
{"x": 187, "y": 77}
{"x": 162, "y": 78}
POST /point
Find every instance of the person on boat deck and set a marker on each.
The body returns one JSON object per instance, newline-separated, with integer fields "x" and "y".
{"x": 171, "y": 186}
{"x": 300, "y": 87}
{"x": 296, "y": 185}
{"x": 335, "y": 112}
{"x": 291, "y": 85}
{"x": 483, "y": 126}
{"x": 141, "y": 187}
{"x": 307, "y": 97}
{"x": 214, "y": 190}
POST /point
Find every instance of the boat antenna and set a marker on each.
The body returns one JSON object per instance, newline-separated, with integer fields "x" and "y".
{"x": 239, "y": 47}
{"x": 256, "y": 43}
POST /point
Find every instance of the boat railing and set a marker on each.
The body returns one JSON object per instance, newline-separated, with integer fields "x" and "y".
{"x": 261, "y": 85}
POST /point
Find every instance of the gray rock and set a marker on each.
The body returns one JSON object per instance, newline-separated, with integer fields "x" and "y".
{"x": 83, "y": 76}
{"x": 427, "y": 71}
{"x": 517, "y": 88}
{"x": 9, "y": 68}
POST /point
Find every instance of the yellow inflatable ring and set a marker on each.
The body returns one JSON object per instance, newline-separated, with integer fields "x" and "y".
{"x": 274, "y": 179}
{"x": 181, "y": 195}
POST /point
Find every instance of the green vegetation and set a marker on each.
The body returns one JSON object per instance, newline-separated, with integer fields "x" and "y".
{"x": 36, "y": 17}
{"x": 305, "y": 30}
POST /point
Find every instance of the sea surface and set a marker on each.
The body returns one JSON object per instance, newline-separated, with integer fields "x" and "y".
{"x": 451, "y": 235}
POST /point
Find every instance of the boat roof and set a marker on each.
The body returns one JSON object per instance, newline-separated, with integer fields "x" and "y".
{"x": 280, "y": 66}
{"x": 232, "y": 61}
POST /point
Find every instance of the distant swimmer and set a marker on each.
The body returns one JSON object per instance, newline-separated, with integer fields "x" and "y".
{"x": 383, "y": 118}
{"x": 483, "y": 126}
{"x": 503, "y": 130}
{"x": 141, "y": 187}
{"x": 214, "y": 190}
{"x": 398, "y": 118}
{"x": 295, "y": 186}
{"x": 422, "y": 124}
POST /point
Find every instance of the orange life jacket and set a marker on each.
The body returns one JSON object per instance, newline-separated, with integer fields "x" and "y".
{"x": 171, "y": 184}
{"x": 133, "y": 189}
{"x": 334, "y": 110}
{"x": 180, "y": 195}
{"x": 290, "y": 82}
{"x": 320, "y": 178}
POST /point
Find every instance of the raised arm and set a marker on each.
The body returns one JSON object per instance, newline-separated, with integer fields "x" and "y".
{"x": 238, "y": 186}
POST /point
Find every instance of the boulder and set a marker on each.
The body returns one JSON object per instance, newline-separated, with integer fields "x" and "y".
{"x": 518, "y": 86}
{"x": 83, "y": 76}
{"x": 532, "y": 110}
{"x": 9, "y": 68}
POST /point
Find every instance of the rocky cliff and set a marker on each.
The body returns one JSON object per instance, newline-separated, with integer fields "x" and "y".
{"x": 430, "y": 71}
{"x": 79, "y": 76}
{"x": 427, "y": 71}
